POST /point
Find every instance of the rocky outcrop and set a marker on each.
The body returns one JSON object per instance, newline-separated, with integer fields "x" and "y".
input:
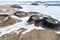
{"x": 20, "y": 14}
{"x": 44, "y": 21}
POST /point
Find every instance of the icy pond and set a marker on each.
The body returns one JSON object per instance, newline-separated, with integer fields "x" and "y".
{"x": 54, "y": 11}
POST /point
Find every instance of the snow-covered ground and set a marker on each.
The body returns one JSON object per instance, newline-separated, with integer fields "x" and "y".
{"x": 17, "y": 26}
{"x": 54, "y": 11}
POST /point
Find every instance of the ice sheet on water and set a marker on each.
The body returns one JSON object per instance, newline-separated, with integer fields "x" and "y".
{"x": 54, "y": 11}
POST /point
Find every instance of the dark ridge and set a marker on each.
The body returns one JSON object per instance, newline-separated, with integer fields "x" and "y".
{"x": 34, "y": 12}
{"x": 34, "y": 4}
{"x": 16, "y": 6}
{"x": 52, "y": 4}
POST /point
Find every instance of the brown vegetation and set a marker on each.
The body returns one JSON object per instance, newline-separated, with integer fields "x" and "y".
{"x": 33, "y": 35}
{"x": 10, "y": 21}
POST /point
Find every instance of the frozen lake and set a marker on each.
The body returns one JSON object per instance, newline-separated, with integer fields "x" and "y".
{"x": 54, "y": 11}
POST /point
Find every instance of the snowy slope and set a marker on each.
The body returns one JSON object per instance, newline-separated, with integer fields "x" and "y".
{"x": 54, "y": 11}
{"x": 16, "y": 26}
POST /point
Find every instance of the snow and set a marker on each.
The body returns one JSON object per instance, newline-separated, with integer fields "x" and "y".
{"x": 6, "y": 18}
{"x": 54, "y": 11}
{"x": 16, "y": 26}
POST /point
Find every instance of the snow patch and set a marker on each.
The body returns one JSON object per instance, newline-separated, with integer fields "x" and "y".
{"x": 17, "y": 26}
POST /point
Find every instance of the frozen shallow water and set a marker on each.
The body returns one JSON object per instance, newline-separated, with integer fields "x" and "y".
{"x": 54, "y": 11}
